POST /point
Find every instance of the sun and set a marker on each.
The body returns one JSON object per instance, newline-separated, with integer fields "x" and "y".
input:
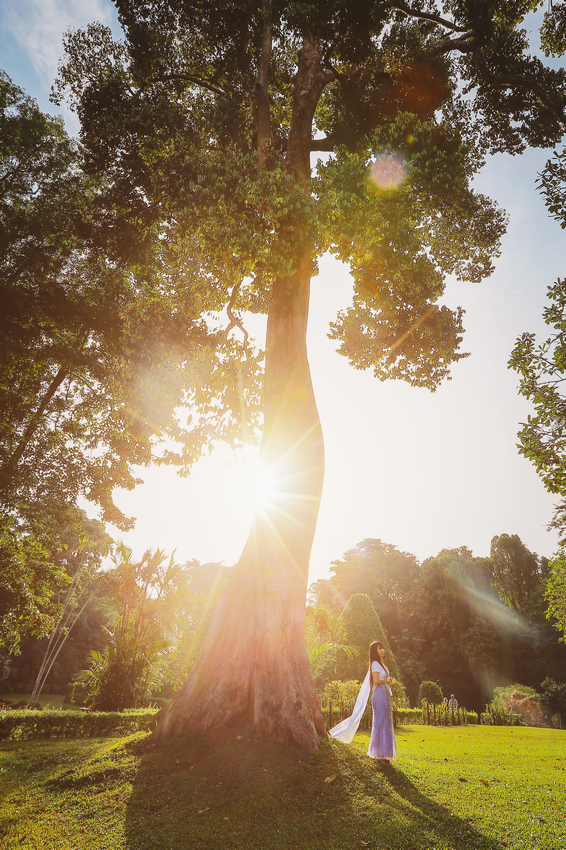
{"x": 263, "y": 488}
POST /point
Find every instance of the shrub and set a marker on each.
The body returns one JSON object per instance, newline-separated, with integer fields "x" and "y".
{"x": 497, "y": 714}
{"x": 515, "y": 705}
{"x": 345, "y": 692}
{"x": 430, "y": 692}
{"x": 123, "y": 676}
{"x": 407, "y": 717}
{"x": 325, "y": 638}
{"x": 553, "y": 700}
{"x": 398, "y": 695}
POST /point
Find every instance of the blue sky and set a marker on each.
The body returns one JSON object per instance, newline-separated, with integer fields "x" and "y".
{"x": 419, "y": 470}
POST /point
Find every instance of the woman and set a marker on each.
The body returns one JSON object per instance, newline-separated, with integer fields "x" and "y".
{"x": 382, "y": 742}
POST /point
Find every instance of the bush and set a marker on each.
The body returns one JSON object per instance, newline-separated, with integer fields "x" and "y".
{"x": 21, "y": 725}
{"x": 430, "y": 692}
{"x": 553, "y": 700}
{"x": 407, "y": 717}
{"x": 398, "y": 695}
{"x": 122, "y": 676}
{"x": 347, "y": 693}
{"x": 342, "y": 692}
{"x": 516, "y": 705}
{"x": 497, "y": 714}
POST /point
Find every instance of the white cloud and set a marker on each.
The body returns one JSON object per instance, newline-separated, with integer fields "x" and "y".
{"x": 31, "y": 42}
{"x": 37, "y": 26}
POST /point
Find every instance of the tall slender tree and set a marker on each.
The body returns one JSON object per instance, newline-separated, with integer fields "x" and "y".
{"x": 362, "y": 626}
{"x": 204, "y": 119}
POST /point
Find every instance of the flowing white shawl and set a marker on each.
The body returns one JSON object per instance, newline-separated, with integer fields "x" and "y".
{"x": 346, "y": 730}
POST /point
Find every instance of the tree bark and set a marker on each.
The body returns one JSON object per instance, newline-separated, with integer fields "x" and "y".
{"x": 253, "y": 667}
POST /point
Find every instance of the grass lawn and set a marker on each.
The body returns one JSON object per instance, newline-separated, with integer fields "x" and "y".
{"x": 45, "y": 700}
{"x": 473, "y": 788}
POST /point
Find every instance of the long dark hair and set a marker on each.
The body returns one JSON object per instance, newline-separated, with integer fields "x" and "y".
{"x": 374, "y": 655}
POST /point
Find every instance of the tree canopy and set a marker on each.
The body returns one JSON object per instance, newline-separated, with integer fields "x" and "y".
{"x": 96, "y": 350}
{"x": 192, "y": 119}
{"x": 375, "y": 568}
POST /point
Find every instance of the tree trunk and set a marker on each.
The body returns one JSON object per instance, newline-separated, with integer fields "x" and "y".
{"x": 253, "y": 667}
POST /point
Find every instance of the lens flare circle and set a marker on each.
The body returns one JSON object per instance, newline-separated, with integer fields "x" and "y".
{"x": 387, "y": 172}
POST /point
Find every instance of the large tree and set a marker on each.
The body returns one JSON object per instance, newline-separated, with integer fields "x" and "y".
{"x": 542, "y": 367}
{"x": 373, "y": 567}
{"x": 204, "y": 120}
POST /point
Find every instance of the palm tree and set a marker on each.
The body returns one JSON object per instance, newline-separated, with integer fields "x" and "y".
{"x": 126, "y": 673}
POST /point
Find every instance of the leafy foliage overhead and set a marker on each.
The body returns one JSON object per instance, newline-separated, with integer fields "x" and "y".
{"x": 190, "y": 118}
{"x": 97, "y": 351}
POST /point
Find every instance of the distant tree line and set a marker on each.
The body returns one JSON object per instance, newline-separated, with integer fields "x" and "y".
{"x": 470, "y": 624}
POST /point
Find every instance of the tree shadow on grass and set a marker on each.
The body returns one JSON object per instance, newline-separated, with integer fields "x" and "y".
{"x": 426, "y": 823}
{"x": 248, "y": 794}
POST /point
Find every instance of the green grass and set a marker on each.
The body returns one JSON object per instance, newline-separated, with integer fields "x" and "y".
{"x": 474, "y": 788}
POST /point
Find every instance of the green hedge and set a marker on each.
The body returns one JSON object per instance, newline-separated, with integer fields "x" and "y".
{"x": 19, "y": 725}
{"x": 407, "y": 716}
{"x": 401, "y": 716}
{"x": 438, "y": 715}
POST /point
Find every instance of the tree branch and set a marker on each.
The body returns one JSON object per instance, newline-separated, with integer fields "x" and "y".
{"x": 325, "y": 144}
{"x": 63, "y": 372}
{"x": 235, "y": 322}
{"x": 425, "y": 16}
{"x": 512, "y": 81}
{"x": 53, "y": 387}
{"x": 165, "y": 78}
{"x": 465, "y": 44}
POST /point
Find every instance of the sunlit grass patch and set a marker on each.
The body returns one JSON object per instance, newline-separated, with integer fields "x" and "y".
{"x": 509, "y": 783}
{"x": 451, "y": 789}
